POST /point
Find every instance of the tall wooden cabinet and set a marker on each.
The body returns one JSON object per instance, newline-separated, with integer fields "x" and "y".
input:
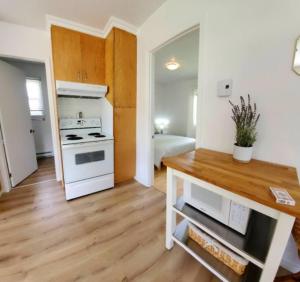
{"x": 112, "y": 61}
{"x": 77, "y": 56}
{"x": 120, "y": 75}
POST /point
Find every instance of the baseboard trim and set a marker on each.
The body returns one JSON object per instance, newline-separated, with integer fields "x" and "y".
{"x": 141, "y": 182}
{"x": 45, "y": 154}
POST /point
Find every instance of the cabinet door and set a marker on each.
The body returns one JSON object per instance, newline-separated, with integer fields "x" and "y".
{"x": 125, "y": 143}
{"x": 92, "y": 59}
{"x": 66, "y": 54}
{"x": 109, "y": 66}
{"x": 125, "y": 69}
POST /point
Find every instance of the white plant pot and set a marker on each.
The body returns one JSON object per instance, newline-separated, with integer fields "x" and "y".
{"x": 242, "y": 154}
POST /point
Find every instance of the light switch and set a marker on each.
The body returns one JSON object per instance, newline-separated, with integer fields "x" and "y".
{"x": 225, "y": 88}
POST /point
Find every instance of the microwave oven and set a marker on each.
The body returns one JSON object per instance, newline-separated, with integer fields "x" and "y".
{"x": 222, "y": 209}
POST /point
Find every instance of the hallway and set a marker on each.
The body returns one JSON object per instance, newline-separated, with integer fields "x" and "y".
{"x": 44, "y": 173}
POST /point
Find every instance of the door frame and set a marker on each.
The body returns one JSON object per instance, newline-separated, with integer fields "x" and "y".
{"x": 151, "y": 106}
{"x": 4, "y": 178}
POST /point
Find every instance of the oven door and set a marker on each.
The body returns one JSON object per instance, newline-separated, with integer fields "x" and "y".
{"x": 87, "y": 160}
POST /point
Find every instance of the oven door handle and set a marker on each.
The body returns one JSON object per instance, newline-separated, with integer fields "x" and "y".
{"x": 88, "y": 144}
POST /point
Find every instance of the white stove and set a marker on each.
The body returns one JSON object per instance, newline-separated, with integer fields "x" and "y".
{"x": 88, "y": 157}
{"x": 74, "y": 131}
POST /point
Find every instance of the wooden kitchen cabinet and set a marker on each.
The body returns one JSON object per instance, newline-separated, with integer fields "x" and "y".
{"x": 77, "y": 56}
{"x": 125, "y": 143}
{"x": 125, "y": 68}
{"x": 66, "y": 53}
{"x": 112, "y": 61}
{"x": 92, "y": 59}
{"x": 109, "y": 66}
{"x": 120, "y": 76}
{"x": 120, "y": 68}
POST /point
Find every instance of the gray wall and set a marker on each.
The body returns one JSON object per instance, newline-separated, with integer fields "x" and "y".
{"x": 174, "y": 101}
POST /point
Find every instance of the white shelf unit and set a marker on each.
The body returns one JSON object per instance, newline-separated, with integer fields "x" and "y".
{"x": 223, "y": 272}
{"x": 263, "y": 245}
{"x": 248, "y": 246}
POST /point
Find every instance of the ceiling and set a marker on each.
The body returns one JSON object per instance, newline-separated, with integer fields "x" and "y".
{"x": 185, "y": 50}
{"x": 94, "y": 13}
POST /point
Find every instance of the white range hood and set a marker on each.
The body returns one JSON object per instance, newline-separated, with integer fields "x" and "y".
{"x": 76, "y": 89}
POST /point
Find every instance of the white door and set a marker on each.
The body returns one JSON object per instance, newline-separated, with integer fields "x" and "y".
{"x": 16, "y": 124}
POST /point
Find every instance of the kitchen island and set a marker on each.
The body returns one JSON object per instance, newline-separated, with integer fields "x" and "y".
{"x": 247, "y": 185}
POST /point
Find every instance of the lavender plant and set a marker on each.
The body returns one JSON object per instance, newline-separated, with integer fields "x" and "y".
{"x": 245, "y": 118}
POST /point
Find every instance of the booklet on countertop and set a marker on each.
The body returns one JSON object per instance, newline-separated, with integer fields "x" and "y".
{"x": 282, "y": 196}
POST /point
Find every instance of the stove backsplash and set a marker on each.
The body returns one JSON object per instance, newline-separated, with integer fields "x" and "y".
{"x": 90, "y": 108}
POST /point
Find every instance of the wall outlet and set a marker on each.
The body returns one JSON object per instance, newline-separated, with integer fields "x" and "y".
{"x": 225, "y": 88}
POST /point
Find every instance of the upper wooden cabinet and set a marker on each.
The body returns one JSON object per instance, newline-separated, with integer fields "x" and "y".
{"x": 93, "y": 59}
{"x": 77, "y": 56}
{"x": 121, "y": 64}
{"x": 66, "y": 52}
{"x": 125, "y": 68}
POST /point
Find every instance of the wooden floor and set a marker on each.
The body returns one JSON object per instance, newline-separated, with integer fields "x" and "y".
{"x": 160, "y": 181}
{"x": 115, "y": 235}
{"x": 45, "y": 172}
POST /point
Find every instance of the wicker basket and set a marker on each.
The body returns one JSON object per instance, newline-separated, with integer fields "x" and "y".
{"x": 229, "y": 258}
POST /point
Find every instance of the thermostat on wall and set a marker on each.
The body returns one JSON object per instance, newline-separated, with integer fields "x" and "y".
{"x": 225, "y": 88}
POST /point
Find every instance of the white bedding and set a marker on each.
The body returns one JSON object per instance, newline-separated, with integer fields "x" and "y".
{"x": 171, "y": 145}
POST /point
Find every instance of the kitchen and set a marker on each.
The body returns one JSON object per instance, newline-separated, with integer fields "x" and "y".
{"x": 100, "y": 219}
{"x": 96, "y": 98}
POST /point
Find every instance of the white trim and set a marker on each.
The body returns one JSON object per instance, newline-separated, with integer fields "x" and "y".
{"x": 112, "y": 22}
{"x": 4, "y": 173}
{"x": 202, "y": 74}
{"x": 147, "y": 177}
{"x": 280, "y": 238}
{"x": 170, "y": 202}
{"x": 116, "y": 22}
{"x": 53, "y": 114}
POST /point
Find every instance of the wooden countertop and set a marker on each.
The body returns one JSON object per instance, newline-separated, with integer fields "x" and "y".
{"x": 250, "y": 180}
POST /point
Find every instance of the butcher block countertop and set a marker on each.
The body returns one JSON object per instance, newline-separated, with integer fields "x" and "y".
{"x": 251, "y": 180}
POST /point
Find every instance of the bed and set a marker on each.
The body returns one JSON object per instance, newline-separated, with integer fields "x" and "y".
{"x": 171, "y": 145}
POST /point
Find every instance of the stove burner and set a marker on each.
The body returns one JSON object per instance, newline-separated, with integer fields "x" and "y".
{"x": 99, "y": 135}
{"x": 74, "y": 138}
{"x": 71, "y": 135}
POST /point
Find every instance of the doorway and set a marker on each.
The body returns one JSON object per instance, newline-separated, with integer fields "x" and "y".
{"x": 26, "y": 143}
{"x": 174, "y": 101}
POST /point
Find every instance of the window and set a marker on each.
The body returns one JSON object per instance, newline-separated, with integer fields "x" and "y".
{"x": 35, "y": 96}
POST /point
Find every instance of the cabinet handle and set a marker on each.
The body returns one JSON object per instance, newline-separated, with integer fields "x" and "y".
{"x": 85, "y": 75}
{"x": 78, "y": 75}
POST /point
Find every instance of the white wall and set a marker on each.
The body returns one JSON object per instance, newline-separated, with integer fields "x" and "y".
{"x": 174, "y": 101}
{"x": 90, "y": 108}
{"x": 251, "y": 42}
{"x": 32, "y": 44}
{"x": 42, "y": 127}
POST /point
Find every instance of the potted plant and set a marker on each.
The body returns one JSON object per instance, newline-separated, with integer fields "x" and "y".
{"x": 245, "y": 119}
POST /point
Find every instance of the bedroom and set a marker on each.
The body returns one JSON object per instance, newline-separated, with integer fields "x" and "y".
{"x": 175, "y": 100}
